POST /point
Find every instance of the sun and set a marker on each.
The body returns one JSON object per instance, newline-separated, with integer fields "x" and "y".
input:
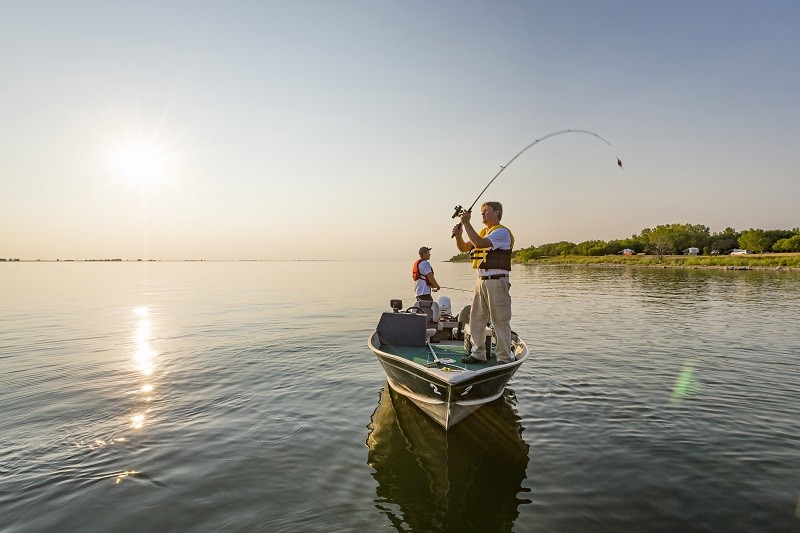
{"x": 140, "y": 163}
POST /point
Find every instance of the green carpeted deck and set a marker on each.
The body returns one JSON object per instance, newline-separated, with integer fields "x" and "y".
{"x": 422, "y": 355}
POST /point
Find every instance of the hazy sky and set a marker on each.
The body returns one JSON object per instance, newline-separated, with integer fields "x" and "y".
{"x": 350, "y": 129}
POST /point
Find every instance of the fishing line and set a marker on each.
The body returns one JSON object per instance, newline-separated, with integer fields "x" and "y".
{"x": 454, "y": 289}
{"x": 460, "y": 210}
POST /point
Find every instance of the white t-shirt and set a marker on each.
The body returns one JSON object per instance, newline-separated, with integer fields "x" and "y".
{"x": 501, "y": 240}
{"x": 421, "y": 285}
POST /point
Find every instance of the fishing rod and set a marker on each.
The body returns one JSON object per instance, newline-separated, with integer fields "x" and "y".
{"x": 460, "y": 210}
{"x": 446, "y": 363}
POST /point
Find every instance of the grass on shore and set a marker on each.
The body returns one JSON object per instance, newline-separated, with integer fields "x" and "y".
{"x": 789, "y": 260}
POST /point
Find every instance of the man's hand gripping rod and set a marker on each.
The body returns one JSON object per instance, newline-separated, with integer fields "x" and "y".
{"x": 459, "y": 211}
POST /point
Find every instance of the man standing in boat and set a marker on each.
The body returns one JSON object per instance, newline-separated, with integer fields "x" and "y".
{"x": 422, "y": 274}
{"x": 490, "y": 251}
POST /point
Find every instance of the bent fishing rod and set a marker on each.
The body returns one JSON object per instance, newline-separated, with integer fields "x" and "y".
{"x": 460, "y": 210}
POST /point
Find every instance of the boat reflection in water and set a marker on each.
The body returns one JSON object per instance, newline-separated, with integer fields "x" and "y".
{"x": 465, "y": 479}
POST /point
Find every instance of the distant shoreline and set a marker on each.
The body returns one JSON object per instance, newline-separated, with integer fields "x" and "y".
{"x": 684, "y": 267}
{"x": 781, "y": 262}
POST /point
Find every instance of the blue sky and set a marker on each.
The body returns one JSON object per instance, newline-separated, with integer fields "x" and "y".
{"x": 347, "y": 130}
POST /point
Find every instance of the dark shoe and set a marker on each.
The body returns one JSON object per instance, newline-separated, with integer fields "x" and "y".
{"x": 468, "y": 359}
{"x": 499, "y": 362}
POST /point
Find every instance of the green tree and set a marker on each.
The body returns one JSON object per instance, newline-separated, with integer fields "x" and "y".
{"x": 557, "y": 248}
{"x": 636, "y": 243}
{"x": 774, "y": 235}
{"x": 755, "y": 240}
{"x": 693, "y": 235}
{"x": 671, "y": 238}
{"x": 792, "y": 244}
{"x": 592, "y": 248}
{"x": 724, "y": 241}
{"x": 564, "y": 248}
{"x": 525, "y": 255}
{"x": 616, "y": 246}
{"x": 659, "y": 240}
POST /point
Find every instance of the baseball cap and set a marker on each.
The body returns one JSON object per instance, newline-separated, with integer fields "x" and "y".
{"x": 424, "y": 249}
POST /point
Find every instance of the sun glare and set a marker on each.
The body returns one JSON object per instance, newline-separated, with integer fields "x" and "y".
{"x": 140, "y": 163}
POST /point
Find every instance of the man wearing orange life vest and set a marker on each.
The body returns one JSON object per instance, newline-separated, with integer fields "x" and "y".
{"x": 422, "y": 274}
{"x": 490, "y": 251}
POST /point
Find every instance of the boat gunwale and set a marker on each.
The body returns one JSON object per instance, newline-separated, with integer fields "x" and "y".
{"x": 449, "y": 377}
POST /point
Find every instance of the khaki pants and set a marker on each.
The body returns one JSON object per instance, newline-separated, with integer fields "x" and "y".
{"x": 491, "y": 303}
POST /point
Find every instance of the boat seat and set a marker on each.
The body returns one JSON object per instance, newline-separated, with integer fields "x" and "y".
{"x": 433, "y": 314}
{"x": 402, "y": 329}
{"x": 432, "y": 310}
{"x": 463, "y": 320}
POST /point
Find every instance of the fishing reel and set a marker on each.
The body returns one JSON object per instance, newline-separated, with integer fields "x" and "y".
{"x": 458, "y": 212}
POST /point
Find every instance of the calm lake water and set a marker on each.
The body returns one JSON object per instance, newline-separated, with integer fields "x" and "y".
{"x": 241, "y": 396}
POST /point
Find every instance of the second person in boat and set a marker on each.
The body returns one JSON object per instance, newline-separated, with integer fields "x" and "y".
{"x": 422, "y": 274}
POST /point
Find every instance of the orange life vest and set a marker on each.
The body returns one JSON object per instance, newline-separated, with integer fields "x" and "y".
{"x": 415, "y": 275}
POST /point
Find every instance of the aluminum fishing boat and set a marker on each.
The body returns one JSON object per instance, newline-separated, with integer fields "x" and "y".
{"x": 420, "y": 350}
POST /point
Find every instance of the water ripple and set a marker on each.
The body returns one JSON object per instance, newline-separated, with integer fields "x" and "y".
{"x": 654, "y": 400}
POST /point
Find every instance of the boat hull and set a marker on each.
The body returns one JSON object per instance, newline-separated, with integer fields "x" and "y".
{"x": 447, "y": 394}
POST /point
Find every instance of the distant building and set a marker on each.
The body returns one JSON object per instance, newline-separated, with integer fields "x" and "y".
{"x": 628, "y": 251}
{"x": 692, "y": 251}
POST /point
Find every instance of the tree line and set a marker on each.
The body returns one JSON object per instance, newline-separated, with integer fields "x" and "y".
{"x": 669, "y": 239}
